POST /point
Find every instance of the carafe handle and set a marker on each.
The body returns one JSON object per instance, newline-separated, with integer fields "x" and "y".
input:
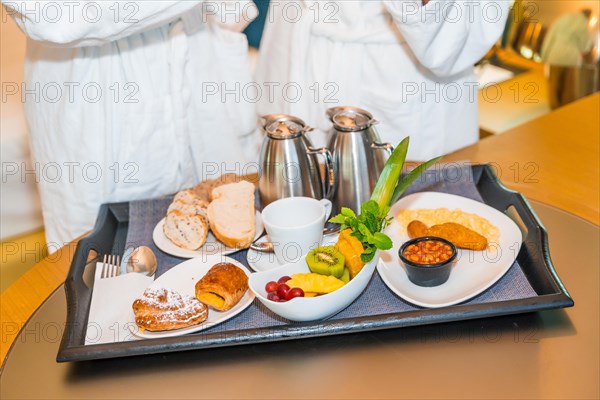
{"x": 383, "y": 146}
{"x": 328, "y": 183}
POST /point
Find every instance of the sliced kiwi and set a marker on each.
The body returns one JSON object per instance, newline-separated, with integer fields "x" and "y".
{"x": 326, "y": 260}
{"x": 345, "y": 276}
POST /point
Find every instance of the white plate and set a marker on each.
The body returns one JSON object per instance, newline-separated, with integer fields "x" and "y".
{"x": 474, "y": 272}
{"x": 212, "y": 245}
{"x": 261, "y": 262}
{"x": 182, "y": 278}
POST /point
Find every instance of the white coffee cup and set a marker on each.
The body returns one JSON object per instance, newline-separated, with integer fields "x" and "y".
{"x": 295, "y": 226}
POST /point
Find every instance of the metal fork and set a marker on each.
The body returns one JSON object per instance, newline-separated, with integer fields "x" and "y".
{"x": 111, "y": 266}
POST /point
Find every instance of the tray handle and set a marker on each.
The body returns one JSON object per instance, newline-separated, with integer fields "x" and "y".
{"x": 78, "y": 293}
{"x": 535, "y": 235}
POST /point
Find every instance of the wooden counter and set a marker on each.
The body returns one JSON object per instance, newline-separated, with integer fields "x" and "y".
{"x": 554, "y": 159}
{"x": 521, "y": 99}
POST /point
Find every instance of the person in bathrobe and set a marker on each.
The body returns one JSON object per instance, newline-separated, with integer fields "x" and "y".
{"x": 127, "y": 100}
{"x": 408, "y": 62}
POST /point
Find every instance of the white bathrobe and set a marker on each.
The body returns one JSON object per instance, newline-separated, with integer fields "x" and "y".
{"x": 410, "y": 65}
{"x": 128, "y": 100}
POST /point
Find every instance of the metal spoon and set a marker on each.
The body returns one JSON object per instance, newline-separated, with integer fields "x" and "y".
{"x": 141, "y": 260}
{"x": 267, "y": 247}
{"x": 263, "y": 247}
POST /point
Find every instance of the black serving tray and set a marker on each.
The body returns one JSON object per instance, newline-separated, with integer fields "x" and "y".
{"x": 110, "y": 232}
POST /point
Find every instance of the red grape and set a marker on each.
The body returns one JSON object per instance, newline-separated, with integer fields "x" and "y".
{"x": 294, "y": 292}
{"x": 271, "y": 287}
{"x": 282, "y": 290}
{"x": 284, "y": 279}
{"x": 273, "y": 296}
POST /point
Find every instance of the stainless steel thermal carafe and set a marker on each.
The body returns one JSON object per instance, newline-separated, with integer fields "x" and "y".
{"x": 289, "y": 163}
{"x": 358, "y": 155}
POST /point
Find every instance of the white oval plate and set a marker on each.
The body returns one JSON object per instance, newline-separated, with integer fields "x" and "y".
{"x": 474, "y": 272}
{"x": 182, "y": 278}
{"x": 262, "y": 261}
{"x": 211, "y": 247}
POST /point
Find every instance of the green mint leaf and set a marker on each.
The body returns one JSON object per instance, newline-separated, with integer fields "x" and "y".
{"x": 369, "y": 207}
{"x": 362, "y": 228}
{"x": 369, "y": 250}
{"x": 371, "y": 241}
{"x": 338, "y": 219}
{"x": 382, "y": 241}
{"x": 367, "y": 257}
{"x": 348, "y": 212}
{"x": 371, "y": 222}
{"x": 353, "y": 224}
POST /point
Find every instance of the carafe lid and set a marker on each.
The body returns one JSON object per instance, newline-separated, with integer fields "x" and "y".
{"x": 350, "y": 119}
{"x": 283, "y": 126}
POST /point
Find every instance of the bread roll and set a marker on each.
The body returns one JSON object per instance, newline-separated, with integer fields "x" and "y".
{"x": 186, "y": 230}
{"x": 222, "y": 287}
{"x": 231, "y": 214}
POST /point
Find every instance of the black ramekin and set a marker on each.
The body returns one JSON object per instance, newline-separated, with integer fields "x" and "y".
{"x": 428, "y": 275}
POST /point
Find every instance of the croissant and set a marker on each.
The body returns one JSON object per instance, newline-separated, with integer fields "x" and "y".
{"x": 222, "y": 287}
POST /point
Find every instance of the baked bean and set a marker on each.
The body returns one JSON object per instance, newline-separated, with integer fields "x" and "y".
{"x": 428, "y": 252}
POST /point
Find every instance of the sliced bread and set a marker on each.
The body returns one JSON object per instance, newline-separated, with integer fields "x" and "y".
{"x": 187, "y": 196}
{"x": 197, "y": 208}
{"x": 204, "y": 189}
{"x": 186, "y": 230}
{"x": 231, "y": 214}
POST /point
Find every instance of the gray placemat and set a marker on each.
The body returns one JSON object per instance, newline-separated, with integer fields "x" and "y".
{"x": 377, "y": 299}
